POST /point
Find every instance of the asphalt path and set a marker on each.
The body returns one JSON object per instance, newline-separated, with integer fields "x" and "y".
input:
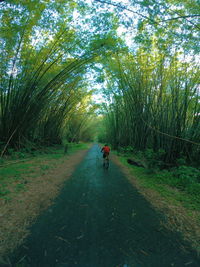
{"x": 100, "y": 220}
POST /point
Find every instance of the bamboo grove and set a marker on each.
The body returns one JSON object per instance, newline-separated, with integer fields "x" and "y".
{"x": 154, "y": 105}
{"x": 48, "y": 49}
{"x": 42, "y": 90}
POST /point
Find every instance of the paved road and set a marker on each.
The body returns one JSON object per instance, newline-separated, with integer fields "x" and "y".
{"x": 100, "y": 220}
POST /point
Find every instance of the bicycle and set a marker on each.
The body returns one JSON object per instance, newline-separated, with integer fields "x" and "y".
{"x": 106, "y": 162}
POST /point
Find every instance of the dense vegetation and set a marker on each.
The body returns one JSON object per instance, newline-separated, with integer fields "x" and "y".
{"x": 152, "y": 91}
{"x": 155, "y": 105}
{"x": 143, "y": 54}
{"x": 43, "y": 94}
{"x": 141, "y": 59}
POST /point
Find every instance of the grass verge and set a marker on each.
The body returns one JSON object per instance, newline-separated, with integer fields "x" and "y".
{"x": 14, "y": 174}
{"x": 182, "y": 209}
{"x": 29, "y": 187}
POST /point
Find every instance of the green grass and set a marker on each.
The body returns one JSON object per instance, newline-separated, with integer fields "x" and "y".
{"x": 164, "y": 183}
{"x": 14, "y": 171}
{"x": 20, "y": 187}
{"x": 75, "y": 147}
{"x": 39, "y": 165}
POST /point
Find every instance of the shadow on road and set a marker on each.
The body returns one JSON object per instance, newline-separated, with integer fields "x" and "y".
{"x": 100, "y": 220}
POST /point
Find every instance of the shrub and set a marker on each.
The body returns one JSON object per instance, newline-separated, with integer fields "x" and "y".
{"x": 10, "y": 151}
{"x": 181, "y": 161}
{"x": 190, "y": 172}
{"x": 186, "y": 176}
{"x": 20, "y": 155}
{"x": 154, "y": 159}
{"x": 125, "y": 149}
{"x": 194, "y": 189}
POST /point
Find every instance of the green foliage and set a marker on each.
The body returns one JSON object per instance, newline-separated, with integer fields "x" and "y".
{"x": 186, "y": 176}
{"x": 154, "y": 159}
{"x": 4, "y": 192}
{"x": 42, "y": 72}
{"x": 17, "y": 154}
{"x": 187, "y": 191}
{"x": 20, "y": 187}
{"x": 151, "y": 108}
{"x": 125, "y": 150}
{"x": 181, "y": 161}
{"x": 194, "y": 189}
{"x": 47, "y": 53}
{"x": 15, "y": 175}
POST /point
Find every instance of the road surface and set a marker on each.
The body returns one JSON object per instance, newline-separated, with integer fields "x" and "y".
{"x": 100, "y": 220}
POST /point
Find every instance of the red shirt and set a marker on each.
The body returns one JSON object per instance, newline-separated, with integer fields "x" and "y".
{"x": 105, "y": 149}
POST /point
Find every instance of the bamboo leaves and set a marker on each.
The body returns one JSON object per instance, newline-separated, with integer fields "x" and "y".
{"x": 42, "y": 77}
{"x": 154, "y": 106}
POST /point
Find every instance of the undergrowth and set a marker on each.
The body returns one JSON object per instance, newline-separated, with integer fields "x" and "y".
{"x": 13, "y": 170}
{"x": 179, "y": 182}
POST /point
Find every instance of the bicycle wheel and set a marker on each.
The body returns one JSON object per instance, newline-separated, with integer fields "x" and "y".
{"x": 107, "y": 164}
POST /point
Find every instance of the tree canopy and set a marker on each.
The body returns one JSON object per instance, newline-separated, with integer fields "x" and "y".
{"x": 142, "y": 56}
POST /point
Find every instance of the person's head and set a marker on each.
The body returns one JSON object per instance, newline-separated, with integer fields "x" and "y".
{"x": 106, "y": 145}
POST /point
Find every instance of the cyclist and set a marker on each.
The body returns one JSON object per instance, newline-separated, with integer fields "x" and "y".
{"x": 106, "y": 151}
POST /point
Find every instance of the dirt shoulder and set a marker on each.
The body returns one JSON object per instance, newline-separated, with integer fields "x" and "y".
{"x": 178, "y": 218}
{"x": 18, "y": 212}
